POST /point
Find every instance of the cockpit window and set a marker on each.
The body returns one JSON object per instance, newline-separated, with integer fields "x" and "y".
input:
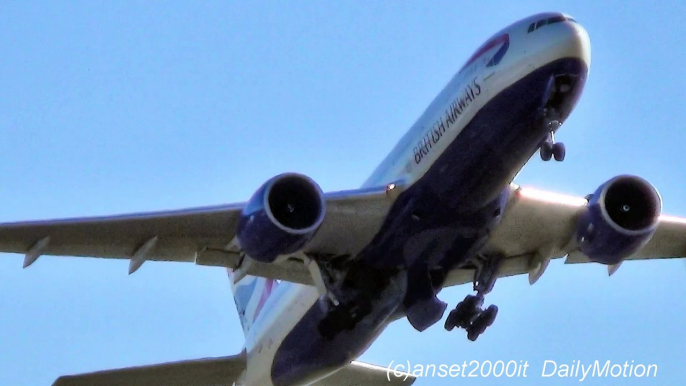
{"x": 551, "y": 20}
{"x": 556, "y": 19}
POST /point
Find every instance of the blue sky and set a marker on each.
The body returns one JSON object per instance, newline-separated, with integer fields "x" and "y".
{"x": 111, "y": 107}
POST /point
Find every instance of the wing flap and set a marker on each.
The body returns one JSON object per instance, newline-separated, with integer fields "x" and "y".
{"x": 289, "y": 270}
{"x": 199, "y": 372}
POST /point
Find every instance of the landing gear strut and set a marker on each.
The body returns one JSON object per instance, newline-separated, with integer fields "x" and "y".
{"x": 469, "y": 314}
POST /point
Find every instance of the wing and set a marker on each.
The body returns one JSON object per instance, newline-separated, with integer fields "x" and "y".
{"x": 223, "y": 371}
{"x": 199, "y": 235}
{"x": 538, "y": 226}
{"x": 199, "y": 372}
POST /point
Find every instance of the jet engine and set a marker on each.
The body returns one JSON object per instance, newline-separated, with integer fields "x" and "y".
{"x": 621, "y": 217}
{"x": 281, "y": 217}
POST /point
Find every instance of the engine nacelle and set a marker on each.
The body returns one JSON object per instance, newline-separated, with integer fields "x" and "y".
{"x": 281, "y": 217}
{"x": 621, "y": 217}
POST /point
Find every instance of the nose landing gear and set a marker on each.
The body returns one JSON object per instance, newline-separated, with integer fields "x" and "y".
{"x": 469, "y": 314}
{"x": 556, "y": 91}
{"x": 549, "y": 148}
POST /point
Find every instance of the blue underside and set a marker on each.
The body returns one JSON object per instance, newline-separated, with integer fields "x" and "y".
{"x": 442, "y": 220}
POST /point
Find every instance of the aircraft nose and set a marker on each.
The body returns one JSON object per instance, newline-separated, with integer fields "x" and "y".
{"x": 574, "y": 41}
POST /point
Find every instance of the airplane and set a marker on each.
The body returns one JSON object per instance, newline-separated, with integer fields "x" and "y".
{"x": 317, "y": 277}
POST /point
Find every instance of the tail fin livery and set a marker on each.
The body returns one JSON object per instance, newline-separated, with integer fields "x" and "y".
{"x": 250, "y": 295}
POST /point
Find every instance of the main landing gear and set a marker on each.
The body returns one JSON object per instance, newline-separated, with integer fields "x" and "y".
{"x": 342, "y": 306}
{"x": 550, "y": 148}
{"x": 469, "y": 314}
{"x": 341, "y": 316}
{"x": 347, "y": 292}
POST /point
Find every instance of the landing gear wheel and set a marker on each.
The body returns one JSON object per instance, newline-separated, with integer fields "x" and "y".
{"x": 450, "y": 321}
{"x": 482, "y": 322}
{"x": 559, "y": 151}
{"x": 464, "y": 312}
{"x": 489, "y": 315}
{"x": 468, "y": 314}
{"x": 469, "y": 304}
{"x": 546, "y": 151}
{"x": 472, "y": 334}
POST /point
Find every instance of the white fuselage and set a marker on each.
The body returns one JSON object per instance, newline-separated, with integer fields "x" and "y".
{"x": 469, "y": 90}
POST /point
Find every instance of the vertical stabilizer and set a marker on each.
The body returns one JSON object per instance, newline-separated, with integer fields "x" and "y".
{"x": 250, "y": 295}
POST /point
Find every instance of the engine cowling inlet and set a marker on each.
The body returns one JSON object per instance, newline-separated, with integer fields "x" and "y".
{"x": 281, "y": 217}
{"x": 621, "y": 217}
